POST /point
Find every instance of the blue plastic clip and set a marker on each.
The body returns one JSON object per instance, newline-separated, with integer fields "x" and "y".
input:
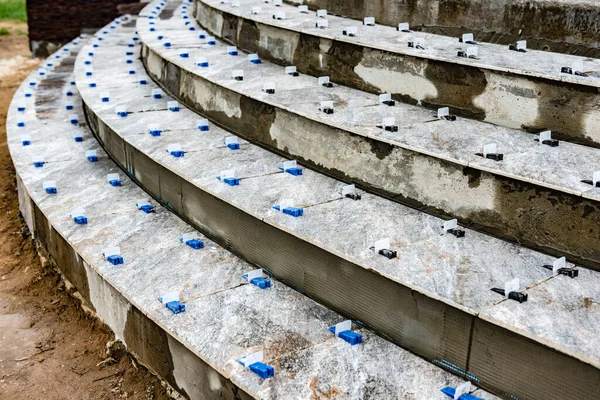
{"x": 160, "y": 37}
{"x": 29, "y": 94}
{"x": 143, "y": 81}
{"x": 174, "y": 108}
{"x": 263, "y": 283}
{"x": 157, "y": 95}
{"x": 202, "y": 36}
{"x": 167, "y": 44}
{"x": 203, "y": 128}
{"x": 178, "y": 153}
{"x": 191, "y": 28}
{"x": 21, "y": 124}
{"x": 351, "y": 337}
{"x": 38, "y": 164}
{"x": 51, "y": 190}
{"x": 81, "y": 220}
{"x": 88, "y": 73}
{"x": 69, "y": 93}
{"x": 96, "y": 45}
{"x": 21, "y": 109}
{"x": 185, "y": 55}
{"x": 212, "y": 43}
{"x": 230, "y": 181}
{"x": 115, "y": 259}
{"x": 129, "y": 53}
{"x": 449, "y": 391}
{"x": 131, "y": 72}
{"x": 233, "y": 146}
{"x": 297, "y": 171}
{"x": 195, "y": 244}
{"x": 32, "y": 83}
{"x": 26, "y": 142}
{"x": 293, "y": 211}
{"x": 74, "y": 121}
{"x": 256, "y": 61}
{"x": 105, "y": 99}
{"x": 87, "y": 62}
{"x": 233, "y": 53}
{"x": 79, "y": 138}
{"x": 155, "y": 132}
{"x": 203, "y": 64}
{"x": 92, "y": 158}
{"x": 122, "y": 114}
{"x": 147, "y": 208}
{"x": 185, "y": 17}
{"x": 129, "y": 61}
{"x": 90, "y": 53}
{"x": 176, "y": 307}
{"x": 92, "y": 85}
{"x": 130, "y": 45}
{"x": 115, "y": 182}
{"x": 261, "y": 369}
{"x": 69, "y": 107}
{"x": 152, "y": 29}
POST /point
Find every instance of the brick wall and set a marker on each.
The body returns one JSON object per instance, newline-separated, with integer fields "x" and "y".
{"x": 52, "y": 23}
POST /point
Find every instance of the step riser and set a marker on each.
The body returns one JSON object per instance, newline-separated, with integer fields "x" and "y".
{"x": 471, "y": 92}
{"x": 433, "y": 330}
{"x": 152, "y": 346}
{"x": 543, "y": 23}
{"x": 545, "y": 219}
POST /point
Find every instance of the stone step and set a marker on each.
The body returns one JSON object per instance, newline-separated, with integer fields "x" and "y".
{"x": 551, "y": 25}
{"x": 225, "y": 318}
{"x": 534, "y": 196}
{"x": 429, "y": 305}
{"x": 379, "y": 60}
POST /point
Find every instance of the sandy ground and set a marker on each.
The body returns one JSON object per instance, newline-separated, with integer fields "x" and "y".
{"x": 49, "y": 348}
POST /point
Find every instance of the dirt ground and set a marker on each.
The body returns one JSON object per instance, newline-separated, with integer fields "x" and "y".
{"x": 49, "y": 348}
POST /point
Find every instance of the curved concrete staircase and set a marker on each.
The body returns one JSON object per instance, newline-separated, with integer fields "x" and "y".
{"x": 222, "y": 166}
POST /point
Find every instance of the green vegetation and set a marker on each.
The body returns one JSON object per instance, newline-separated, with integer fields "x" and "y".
{"x": 4, "y": 32}
{"x": 13, "y": 10}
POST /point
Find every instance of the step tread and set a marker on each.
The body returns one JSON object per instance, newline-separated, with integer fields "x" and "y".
{"x": 534, "y": 63}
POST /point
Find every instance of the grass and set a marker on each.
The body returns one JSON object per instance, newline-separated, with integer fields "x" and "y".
{"x": 13, "y": 10}
{"x": 4, "y": 32}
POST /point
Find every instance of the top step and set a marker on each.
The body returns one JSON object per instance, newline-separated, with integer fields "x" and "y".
{"x": 560, "y": 26}
{"x": 378, "y": 59}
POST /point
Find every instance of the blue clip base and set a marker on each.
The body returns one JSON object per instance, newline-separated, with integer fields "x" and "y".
{"x": 92, "y": 85}
{"x": 129, "y": 61}
{"x": 143, "y": 82}
{"x": 351, "y": 337}
{"x": 257, "y": 61}
{"x": 203, "y": 128}
{"x": 79, "y": 139}
{"x": 122, "y": 114}
{"x": 167, "y": 44}
{"x": 184, "y": 55}
{"x": 74, "y": 122}
{"x": 51, "y": 190}
{"x": 232, "y": 181}
{"x": 147, "y": 209}
{"x": 261, "y": 369}
{"x": 68, "y": 94}
{"x": 195, "y": 244}
{"x": 211, "y": 43}
{"x": 157, "y": 96}
{"x": 115, "y": 259}
{"x": 449, "y": 391}
{"x": 25, "y": 142}
{"x": 38, "y": 164}
{"x": 21, "y": 124}
{"x": 29, "y": 94}
{"x": 105, "y": 99}
{"x": 176, "y": 307}
{"x": 262, "y": 283}
{"x": 234, "y": 146}
{"x": 174, "y": 109}
{"x": 201, "y": 36}
{"x": 80, "y": 220}
{"x": 203, "y": 64}
{"x": 88, "y": 74}
{"x": 115, "y": 183}
{"x": 68, "y": 108}
{"x": 92, "y": 159}
{"x": 131, "y": 72}
{"x": 155, "y": 132}
{"x": 293, "y": 171}
{"x": 178, "y": 153}
{"x": 21, "y": 109}
{"x": 233, "y": 53}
